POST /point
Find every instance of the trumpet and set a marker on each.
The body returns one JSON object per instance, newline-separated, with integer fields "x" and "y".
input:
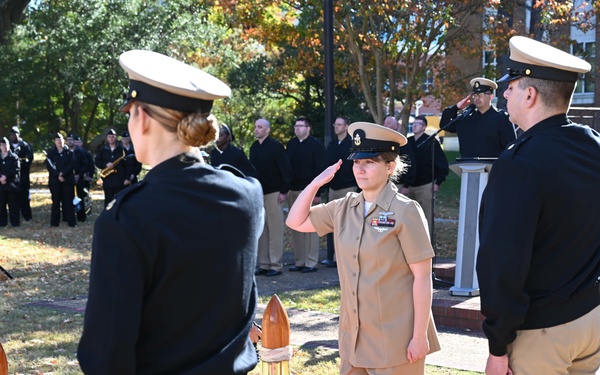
{"x": 110, "y": 170}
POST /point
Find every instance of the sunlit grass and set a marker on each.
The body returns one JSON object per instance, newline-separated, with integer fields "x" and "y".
{"x": 53, "y": 263}
{"x": 324, "y": 300}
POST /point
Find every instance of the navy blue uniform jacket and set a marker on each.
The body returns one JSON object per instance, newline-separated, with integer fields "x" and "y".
{"x": 480, "y": 134}
{"x": 172, "y": 287}
{"x": 539, "y": 254}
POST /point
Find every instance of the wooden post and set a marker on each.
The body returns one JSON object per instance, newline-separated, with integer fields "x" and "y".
{"x": 275, "y": 335}
{"x": 3, "y": 362}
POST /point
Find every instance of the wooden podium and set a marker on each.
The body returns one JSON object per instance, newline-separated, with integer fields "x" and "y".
{"x": 474, "y": 176}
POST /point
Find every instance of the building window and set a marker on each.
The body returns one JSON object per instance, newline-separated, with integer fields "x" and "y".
{"x": 587, "y": 51}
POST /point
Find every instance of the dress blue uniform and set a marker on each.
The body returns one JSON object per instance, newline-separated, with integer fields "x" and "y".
{"x": 168, "y": 294}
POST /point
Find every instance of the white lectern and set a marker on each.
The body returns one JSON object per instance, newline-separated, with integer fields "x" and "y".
{"x": 474, "y": 176}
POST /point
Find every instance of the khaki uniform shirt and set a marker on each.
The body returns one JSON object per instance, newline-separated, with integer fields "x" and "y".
{"x": 373, "y": 256}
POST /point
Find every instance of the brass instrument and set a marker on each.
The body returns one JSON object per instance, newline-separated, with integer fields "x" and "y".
{"x": 108, "y": 171}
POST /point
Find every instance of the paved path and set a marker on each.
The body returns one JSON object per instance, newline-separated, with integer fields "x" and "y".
{"x": 460, "y": 349}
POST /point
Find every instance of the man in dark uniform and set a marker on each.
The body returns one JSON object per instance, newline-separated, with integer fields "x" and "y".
{"x": 539, "y": 257}
{"x": 226, "y": 153}
{"x": 86, "y": 174}
{"x": 483, "y": 131}
{"x": 61, "y": 165}
{"x": 133, "y": 166}
{"x": 307, "y": 159}
{"x": 274, "y": 173}
{"x": 343, "y": 182}
{"x": 25, "y": 154}
{"x": 9, "y": 185}
{"x": 79, "y": 166}
{"x": 420, "y": 189}
{"x": 110, "y": 160}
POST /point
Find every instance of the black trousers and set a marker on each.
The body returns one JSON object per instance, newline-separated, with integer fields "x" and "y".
{"x": 9, "y": 198}
{"x": 62, "y": 196}
{"x": 24, "y": 201}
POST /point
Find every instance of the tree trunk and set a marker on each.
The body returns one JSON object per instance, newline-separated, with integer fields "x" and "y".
{"x": 11, "y": 12}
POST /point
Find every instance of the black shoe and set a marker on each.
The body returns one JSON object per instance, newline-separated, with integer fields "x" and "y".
{"x": 332, "y": 264}
{"x": 271, "y": 273}
{"x": 260, "y": 272}
{"x": 295, "y": 268}
{"x": 326, "y": 262}
{"x": 309, "y": 269}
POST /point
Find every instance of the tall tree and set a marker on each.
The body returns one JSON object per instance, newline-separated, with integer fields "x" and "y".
{"x": 396, "y": 44}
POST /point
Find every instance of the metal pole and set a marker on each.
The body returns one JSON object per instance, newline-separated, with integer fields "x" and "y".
{"x": 329, "y": 76}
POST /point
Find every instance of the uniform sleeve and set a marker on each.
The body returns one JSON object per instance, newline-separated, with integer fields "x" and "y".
{"x": 440, "y": 166}
{"x": 112, "y": 316}
{"x": 322, "y": 216}
{"x": 283, "y": 163}
{"x": 447, "y": 115}
{"x": 413, "y": 234}
{"x": 53, "y": 173}
{"x": 29, "y": 154}
{"x": 504, "y": 256}
{"x": 245, "y": 166}
{"x": 99, "y": 160}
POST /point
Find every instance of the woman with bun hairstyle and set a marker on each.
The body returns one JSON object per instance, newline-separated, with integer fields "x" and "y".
{"x": 168, "y": 296}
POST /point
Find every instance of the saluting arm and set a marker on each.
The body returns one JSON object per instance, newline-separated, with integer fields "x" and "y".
{"x": 298, "y": 216}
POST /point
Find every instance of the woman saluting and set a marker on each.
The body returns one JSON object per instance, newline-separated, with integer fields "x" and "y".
{"x": 384, "y": 259}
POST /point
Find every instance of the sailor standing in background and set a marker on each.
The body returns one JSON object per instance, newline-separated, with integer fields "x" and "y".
{"x": 86, "y": 175}
{"x": 111, "y": 160}
{"x": 484, "y": 131}
{"x": 25, "y": 154}
{"x": 61, "y": 163}
{"x": 134, "y": 167}
{"x": 9, "y": 185}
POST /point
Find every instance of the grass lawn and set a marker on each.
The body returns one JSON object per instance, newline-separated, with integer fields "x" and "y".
{"x": 52, "y": 264}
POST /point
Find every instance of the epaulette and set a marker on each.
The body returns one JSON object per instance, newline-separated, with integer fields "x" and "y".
{"x": 512, "y": 149}
{"x": 114, "y": 206}
{"x": 232, "y": 169}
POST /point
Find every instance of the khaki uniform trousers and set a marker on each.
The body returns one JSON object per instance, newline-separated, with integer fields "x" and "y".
{"x": 572, "y": 348}
{"x": 416, "y": 368}
{"x": 422, "y": 194}
{"x": 270, "y": 243}
{"x": 305, "y": 245}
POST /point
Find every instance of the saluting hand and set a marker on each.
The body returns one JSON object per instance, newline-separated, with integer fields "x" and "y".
{"x": 327, "y": 174}
{"x": 464, "y": 102}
